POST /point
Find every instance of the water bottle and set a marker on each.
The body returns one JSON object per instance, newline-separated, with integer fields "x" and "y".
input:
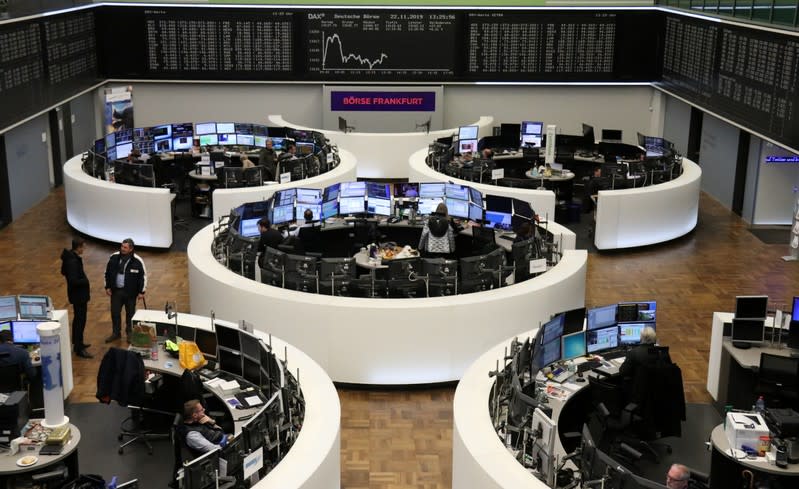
{"x": 760, "y": 406}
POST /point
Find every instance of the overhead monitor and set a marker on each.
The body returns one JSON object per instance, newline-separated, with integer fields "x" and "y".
{"x": 206, "y": 342}
{"x": 630, "y": 333}
{"x": 182, "y": 129}
{"x": 747, "y": 331}
{"x": 378, "y": 190}
{"x": 631, "y": 312}
{"x": 597, "y": 340}
{"x": 163, "y": 145}
{"x": 285, "y": 197}
{"x": 428, "y": 206}
{"x": 24, "y": 332}
{"x": 142, "y": 134}
{"x": 225, "y": 127}
{"x": 611, "y": 135}
{"x": 455, "y": 191}
{"x": 329, "y": 209}
{"x": 309, "y": 195}
{"x": 202, "y": 128}
{"x": 162, "y": 132}
{"x": 245, "y": 140}
{"x": 406, "y": 190}
{"x": 316, "y": 211}
{"x": 600, "y": 317}
{"x": 573, "y": 320}
{"x": 458, "y": 208}
{"x": 278, "y": 144}
{"x": 378, "y": 206}
{"x": 475, "y": 196}
{"x": 431, "y": 190}
{"x": 33, "y": 306}
{"x": 282, "y": 214}
{"x": 573, "y": 345}
{"x": 751, "y": 306}
{"x": 468, "y": 132}
{"x": 351, "y": 205}
{"x": 8, "y": 307}
{"x": 209, "y": 140}
{"x": 227, "y": 337}
{"x": 243, "y": 128}
{"x": 331, "y": 192}
{"x": 475, "y": 212}
{"x": 226, "y": 139}
{"x": 552, "y": 329}
{"x": 353, "y": 189}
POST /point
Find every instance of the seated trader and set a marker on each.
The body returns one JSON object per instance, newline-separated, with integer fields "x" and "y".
{"x": 269, "y": 238}
{"x": 11, "y": 354}
{"x": 525, "y": 231}
{"x": 642, "y": 354}
{"x": 466, "y": 160}
{"x": 488, "y": 154}
{"x": 309, "y": 222}
{"x": 290, "y": 153}
{"x": 438, "y": 235}
{"x": 596, "y": 183}
{"x": 199, "y": 431}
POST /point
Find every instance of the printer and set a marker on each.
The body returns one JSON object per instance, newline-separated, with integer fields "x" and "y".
{"x": 745, "y": 429}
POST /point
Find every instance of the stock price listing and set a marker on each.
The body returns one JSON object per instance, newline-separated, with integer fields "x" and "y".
{"x": 381, "y": 45}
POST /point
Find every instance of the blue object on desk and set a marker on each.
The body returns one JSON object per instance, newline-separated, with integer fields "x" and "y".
{"x": 168, "y": 364}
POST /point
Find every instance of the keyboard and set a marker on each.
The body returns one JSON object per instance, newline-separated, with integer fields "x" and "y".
{"x": 610, "y": 355}
{"x": 507, "y": 237}
{"x": 589, "y": 365}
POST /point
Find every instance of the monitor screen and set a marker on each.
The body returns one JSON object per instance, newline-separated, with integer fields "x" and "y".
{"x": 250, "y": 346}
{"x": 329, "y": 209}
{"x": 406, "y": 190}
{"x": 252, "y": 371}
{"x": 552, "y": 329}
{"x": 162, "y": 132}
{"x": 751, "y": 306}
{"x": 206, "y": 342}
{"x": 181, "y": 143}
{"x": 124, "y": 149}
{"x": 202, "y": 128}
{"x": 249, "y": 227}
{"x": 353, "y": 189}
{"x": 602, "y": 339}
{"x": 259, "y": 141}
{"x": 331, "y": 192}
{"x": 110, "y": 140}
{"x": 186, "y": 333}
{"x": 795, "y": 310}
{"x": 431, "y": 190}
{"x": 588, "y": 134}
{"x": 230, "y": 361}
{"x": 611, "y": 135}
{"x": 123, "y": 136}
{"x": 316, "y": 210}
{"x": 282, "y": 214}
{"x": 630, "y": 333}
{"x": 245, "y": 139}
{"x": 183, "y": 129}
{"x": 475, "y": 212}
{"x": 476, "y": 196}
{"x": 550, "y": 352}
{"x": 228, "y": 127}
{"x": 24, "y": 332}
{"x": 531, "y": 140}
{"x": 532, "y": 128}
{"x": 228, "y": 337}
{"x": 498, "y": 220}
{"x": 636, "y": 311}
{"x": 351, "y": 205}
{"x": 8, "y": 307}
{"x": 163, "y": 145}
{"x": 380, "y": 207}
{"x": 285, "y": 197}
{"x": 166, "y": 330}
{"x": 33, "y": 306}
{"x": 467, "y": 146}
{"x": 499, "y": 204}
{"x": 305, "y": 148}
{"x": 468, "y": 132}
{"x": 428, "y": 206}
{"x": 111, "y": 153}
{"x": 379, "y": 190}
{"x": 573, "y": 320}
{"x": 746, "y": 330}
{"x": 209, "y": 140}
{"x": 458, "y": 208}
{"x": 309, "y": 195}
{"x": 600, "y": 317}
{"x": 99, "y": 146}
{"x": 5, "y": 326}
{"x": 455, "y": 191}
{"x": 226, "y": 139}
{"x": 574, "y": 345}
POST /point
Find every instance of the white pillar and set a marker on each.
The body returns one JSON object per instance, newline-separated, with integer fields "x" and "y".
{"x": 50, "y": 343}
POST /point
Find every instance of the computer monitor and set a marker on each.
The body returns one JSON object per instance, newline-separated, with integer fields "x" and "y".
{"x": 225, "y": 127}
{"x": 233, "y": 454}
{"x": 316, "y": 211}
{"x": 250, "y": 345}
{"x": 543, "y": 451}
{"x": 186, "y": 333}
{"x": 309, "y": 195}
{"x": 209, "y": 140}
{"x": 336, "y": 266}
{"x": 228, "y": 337}
{"x": 230, "y": 361}
{"x": 573, "y": 320}
{"x": 162, "y": 132}
{"x": 378, "y": 190}
{"x": 182, "y": 143}
{"x": 245, "y": 140}
{"x": 331, "y": 192}
{"x": 553, "y": 328}
{"x": 282, "y": 214}
{"x": 475, "y": 196}
{"x": 274, "y": 258}
{"x": 600, "y": 317}
{"x": 249, "y": 227}
{"x": 305, "y": 148}
{"x": 251, "y": 370}
{"x": 353, "y": 189}
{"x": 458, "y": 208}
{"x": 203, "y": 128}
{"x": 124, "y": 149}
{"x": 467, "y": 146}
{"x": 523, "y": 209}
{"x": 795, "y": 310}
{"x": 403, "y": 267}
{"x": 498, "y": 220}
{"x": 747, "y": 331}
{"x": 455, "y": 191}
{"x": 439, "y": 267}
{"x": 588, "y": 134}
{"x": 611, "y": 135}
{"x": 24, "y": 332}
{"x": 426, "y": 206}
{"x": 475, "y": 212}
{"x": 226, "y": 139}
{"x": 406, "y": 190}
{"x": 254, "y": 432}
{"x": 167, "y": 330}
{"x": 468, "y": 132}
{"x": 351, "y": 205}
{"x": 124, "y": 136}
{"x": 751, "y": 306}
{"x": 110, "y": 140}
{"x": 510, "y": 134}
{"x": 633, "y": 312}
{"x": 573, "y": 345}
{"x": 99, "y": 146}
{"x": 378, "y": 206}
{"x": 201, "y": 472}
{"x": 329, "y": 209}
{"x": 432, "y": 190}
{"x": 602, "y": 339}
{"x": 33, "y": 306}
{"x": 531, "y": 133}
{"x": 630, "y": 333}
{"x": 206, "y": 342}
{"x": 8, "y": 307}
{"x": 550, "y": 352}
{"x": 632, "y": 481}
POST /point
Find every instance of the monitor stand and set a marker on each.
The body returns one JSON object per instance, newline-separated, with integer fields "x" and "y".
{"x": 741, "y": 345}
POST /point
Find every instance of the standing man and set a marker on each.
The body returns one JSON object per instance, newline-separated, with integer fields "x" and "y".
{"x": 125, "y": 283}
{"x": 77, "y": 293}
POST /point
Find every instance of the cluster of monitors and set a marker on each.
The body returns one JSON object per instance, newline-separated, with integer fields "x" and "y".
{"x": 363, "y": 199}
{"x": 528, "y": 133}
{"x": 181, "y": 136}
{"x": 748, "y": 325}
{"x": 606, "y": 328}
{"x": 234, "y": 350}
{"x": 23, "y": 332}
{"x": 25, "y": 307}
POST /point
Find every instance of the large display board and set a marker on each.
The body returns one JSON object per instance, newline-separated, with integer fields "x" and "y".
{"x": 747, "y": 75}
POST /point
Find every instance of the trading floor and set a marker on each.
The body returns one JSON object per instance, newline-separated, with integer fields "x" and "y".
{"x": 403, "y": 439}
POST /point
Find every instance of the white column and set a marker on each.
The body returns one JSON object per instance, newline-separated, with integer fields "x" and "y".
{"x": 50, "y": 344}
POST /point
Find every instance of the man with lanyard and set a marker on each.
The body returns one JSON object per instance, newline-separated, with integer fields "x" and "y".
{"x": 125, "y": 283}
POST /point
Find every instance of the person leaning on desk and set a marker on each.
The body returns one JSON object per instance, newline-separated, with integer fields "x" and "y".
{"x": 199, "y": 431}
{"x": 11, "y": 354}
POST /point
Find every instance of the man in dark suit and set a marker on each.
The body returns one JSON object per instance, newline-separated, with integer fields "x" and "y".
{"x": 11, "y": 354}
{"x": 78, "y": 293}
{"x": 643, "y": 354}
{"x": 270, "y": 237}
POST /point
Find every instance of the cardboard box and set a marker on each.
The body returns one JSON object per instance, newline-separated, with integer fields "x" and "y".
{"x": 745, "y": 429}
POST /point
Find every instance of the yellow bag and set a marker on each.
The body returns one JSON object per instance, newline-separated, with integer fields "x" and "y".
{"x": 190, "y": 355}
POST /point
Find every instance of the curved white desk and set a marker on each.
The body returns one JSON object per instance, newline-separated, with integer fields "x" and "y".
{"x": 542, "y": 201}
{"x": 114, "y": 212}
{"x": 386, "y": 341}
{"x": 314, "y": 461}
{"x": 226, "y": 199}
{"x": 648, "y": 215}
{"x": 385, "y": 155}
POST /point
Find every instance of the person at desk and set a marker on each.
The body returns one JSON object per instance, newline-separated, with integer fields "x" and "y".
{"x": 525, "y": 231}
{"x": 267, "y": 157}
{"x": 11, "y": 354}
{"x": 438, "y": 235}
{"x": 200, "y": 431}
{"x": 270, "y": 238}
{"x": 466, "y": 160}
{"x": 290, "y": 153}
{"x": 125, "y": 283}
{"x": 307, "y": 216}
{"x": 641, "y": 354}
{"x": 77, "y": 292}
{"x": 678, "y": 477}
{"x": 488, "y": 154}
{"x": 596, "y": 183}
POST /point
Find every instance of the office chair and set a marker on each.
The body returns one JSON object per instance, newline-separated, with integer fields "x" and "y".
{"x": 484, "y": 240}
{"x": 254, "y": 177}
{"x": 778, "y": 380}
{"x": 12, "y": 378}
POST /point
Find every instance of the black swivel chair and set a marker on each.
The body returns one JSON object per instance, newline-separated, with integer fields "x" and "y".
{"x": 778, "y": 380}
{"x": 12, "y": 378}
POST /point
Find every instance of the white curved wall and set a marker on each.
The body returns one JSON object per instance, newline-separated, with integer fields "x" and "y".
{"x": 114, "y": 212}
{"x": 543, "y": 201}
{"x": 225, "y": 199}
{"x": 648, "y": 215}
{"x": 385, "y": 155}
{"x": 386, "y": 341}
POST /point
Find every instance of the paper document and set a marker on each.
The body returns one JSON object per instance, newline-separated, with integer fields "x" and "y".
{"x": 253, "y": 400}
